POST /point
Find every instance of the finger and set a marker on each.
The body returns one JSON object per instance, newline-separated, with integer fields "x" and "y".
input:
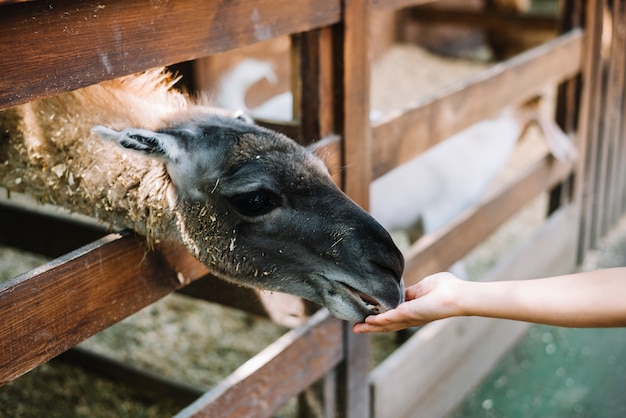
{"x": 414, "y": 292}
{"x": 365, "y": 328}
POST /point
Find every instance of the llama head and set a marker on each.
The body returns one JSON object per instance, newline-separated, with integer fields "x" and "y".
{"x": 262, "y": 211}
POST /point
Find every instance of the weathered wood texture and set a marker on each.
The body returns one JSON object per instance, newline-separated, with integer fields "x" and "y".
{"x": 353, "y": 396}
{"x": 397, "y": 4}
{"x": 54, "y": 307}
{"x": 61, "y": 46}
{"x": 601, "y": 126}
{"x": 282, "y": 370}
{"x": 486, "y": 19}
{"x": 421, "y": 125}
{"x": 606, "y": 169}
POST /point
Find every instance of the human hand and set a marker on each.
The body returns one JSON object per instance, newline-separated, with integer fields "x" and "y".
{"x": 434, "y": 297}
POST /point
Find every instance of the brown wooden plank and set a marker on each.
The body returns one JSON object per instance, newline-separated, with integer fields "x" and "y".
{"x": 397, "y": 4}
{"x": 613, "y": 116}
{"x": 315, "y": 58}
{"x": 486, "y": 19}
{"x": 567, "y": 102}
{"x": 622, "y": 151}
{"x": 436, "y": 252}
{"x": 620, "y": 172}
{"x": 357, "y": 155}
{"x": 54, "y": 307}
{"x": 353, "y": 394}
{"x": 282, "y": 370}
{"x": 51, "y": 48}
{"x": 590, "y": 122}
{"x": 3, "y": 2}
{"x": 446, "y": 358}
{"x": 428, "y": 121}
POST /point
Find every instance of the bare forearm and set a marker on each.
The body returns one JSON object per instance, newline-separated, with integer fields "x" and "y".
{"x": 589, "y": 299}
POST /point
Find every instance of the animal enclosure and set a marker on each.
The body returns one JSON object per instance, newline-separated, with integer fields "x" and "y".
{"x": 328, "y": 59}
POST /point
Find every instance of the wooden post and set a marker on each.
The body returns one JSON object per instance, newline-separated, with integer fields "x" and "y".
{"x": 353, "y": 396}
{"x": 589, "y": 123}
{"x": 315, "y": 83}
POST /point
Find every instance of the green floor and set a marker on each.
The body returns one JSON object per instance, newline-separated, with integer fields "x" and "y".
{"x": 556, "y": 372}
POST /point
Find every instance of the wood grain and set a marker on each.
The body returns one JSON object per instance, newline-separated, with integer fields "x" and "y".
{"x": 60, "y": 46}
{"x": 54, "y": 307}
{"x": 282, "y": 370}
{"x": 428, "y": 121}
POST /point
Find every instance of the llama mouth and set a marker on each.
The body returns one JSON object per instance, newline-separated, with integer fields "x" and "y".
{"x": 370, "y": 303}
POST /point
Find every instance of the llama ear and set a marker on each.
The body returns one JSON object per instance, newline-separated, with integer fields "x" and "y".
{"x": 153, "y": 144}
{"x": 243, "y": 116}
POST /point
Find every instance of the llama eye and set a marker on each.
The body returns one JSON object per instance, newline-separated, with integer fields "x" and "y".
{"x": 256, "y": 203}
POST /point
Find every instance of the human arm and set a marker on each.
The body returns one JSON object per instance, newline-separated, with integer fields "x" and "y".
{"x": 587, "y": 299}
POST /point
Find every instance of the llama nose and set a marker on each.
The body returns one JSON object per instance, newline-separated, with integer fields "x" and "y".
{"x": 386, "y": 256}
{"x": 390, "y": 263}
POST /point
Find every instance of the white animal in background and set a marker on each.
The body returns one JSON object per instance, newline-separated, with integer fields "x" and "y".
{"x": 441, "y": 183}
{"x": 235, "y": 84}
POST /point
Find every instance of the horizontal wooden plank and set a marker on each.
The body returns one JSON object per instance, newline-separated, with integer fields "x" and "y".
{"x": 439, "y": 364}
{"x": 54, "y": 307}
{"x": 486, "y": 19}
{"x": 437, "y": 251}
{"x": 282, "y": 370}
{"x": 2, "y": 2}
{"x": 48, "y": 48}
{"x": 409, "y": 131}
{"x": 398, "y": 4}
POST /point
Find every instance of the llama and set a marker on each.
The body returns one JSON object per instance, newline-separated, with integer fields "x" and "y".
{"x": 251, "y": 204}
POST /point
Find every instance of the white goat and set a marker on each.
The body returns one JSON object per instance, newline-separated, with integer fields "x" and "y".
{"x": 235, "y": 83}
{"x": 441, "y": 183}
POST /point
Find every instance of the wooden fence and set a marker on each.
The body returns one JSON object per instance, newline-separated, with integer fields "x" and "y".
{"x": 52, "y": 47}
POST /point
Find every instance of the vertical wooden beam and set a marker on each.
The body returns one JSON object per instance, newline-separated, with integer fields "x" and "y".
{"x": 353, "y": 392}
{"x": 615, "y": 100}
{"x": 568, "y": 99}
{"x": 589, "y": 122}
{"x": 316, "y": 82}
{"x": 622, "y": 134}
{"x": 357, "y": 156}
